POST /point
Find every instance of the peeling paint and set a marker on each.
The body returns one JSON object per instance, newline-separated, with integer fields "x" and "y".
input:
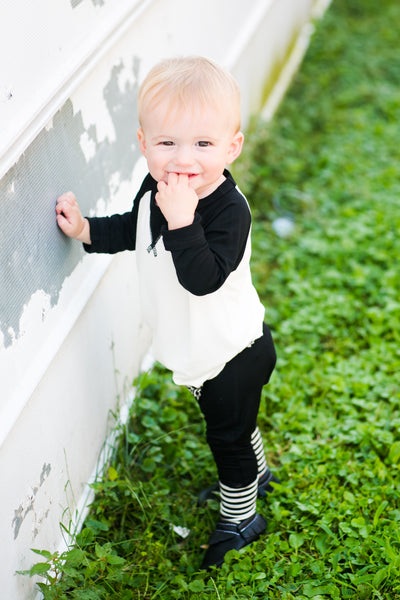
{"x": 27, "y": 505}
{"x": 126, "y": 78}
{"x": 38, "y": 521}
{"x": 34, "y": 313}
{"x": 49, "y": 125}
{"x": 34, "y": 254}
{"x": 45, "y": 473}
{"x": 88, "y": 146}
{"x": 75, "y": 3}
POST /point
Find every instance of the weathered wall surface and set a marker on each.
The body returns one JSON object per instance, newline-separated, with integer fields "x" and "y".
{"x": 70, "y": 329}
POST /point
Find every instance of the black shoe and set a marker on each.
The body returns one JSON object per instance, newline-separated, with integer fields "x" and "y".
{"x": 231, "y": 536}
{"x": 264, "y": 488}
{"x": 210, "y": 493}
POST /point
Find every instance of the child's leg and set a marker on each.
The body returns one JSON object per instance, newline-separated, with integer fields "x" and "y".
{"x": 265, "y": 476}
{"x": 257, "y": 443}
{"x": 230, "y": 404}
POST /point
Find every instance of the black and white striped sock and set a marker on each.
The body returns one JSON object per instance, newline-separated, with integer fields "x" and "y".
{"x": 257, "y": 443}
{"x": 238, "y": 504}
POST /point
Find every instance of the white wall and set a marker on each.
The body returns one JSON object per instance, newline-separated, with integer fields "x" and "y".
{"x": 70, "y": 330}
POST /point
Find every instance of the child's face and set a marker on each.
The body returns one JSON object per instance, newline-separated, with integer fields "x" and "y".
{"x": 199, "y": 143}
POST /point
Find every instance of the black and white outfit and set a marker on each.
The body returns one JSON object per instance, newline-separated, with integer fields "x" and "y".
{"x": 206, "y": 321}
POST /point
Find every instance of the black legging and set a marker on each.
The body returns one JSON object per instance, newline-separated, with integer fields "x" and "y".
{"x": 230, "y": 403}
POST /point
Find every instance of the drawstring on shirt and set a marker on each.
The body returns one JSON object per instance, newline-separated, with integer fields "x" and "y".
{"x": 152, "y": 246}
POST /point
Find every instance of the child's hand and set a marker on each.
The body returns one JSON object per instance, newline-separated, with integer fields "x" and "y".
{"x": 70, "y": 220}
{"x": 177, "y": 200}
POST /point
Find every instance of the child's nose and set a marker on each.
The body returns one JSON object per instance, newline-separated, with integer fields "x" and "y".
{"x": 184, "y": 156}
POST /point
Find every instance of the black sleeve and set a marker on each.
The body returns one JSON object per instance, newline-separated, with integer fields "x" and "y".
{"x": 118, "y": 232}
{"x": 207, "y": 251}
{"x": 112, "y": 234}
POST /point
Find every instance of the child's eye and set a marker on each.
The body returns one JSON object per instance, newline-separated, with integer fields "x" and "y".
{"x": 167, "y": 143}
{"x": 203, "y": 144}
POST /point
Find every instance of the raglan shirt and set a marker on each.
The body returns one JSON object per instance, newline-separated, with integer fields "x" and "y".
{"x": 197, "y": 297}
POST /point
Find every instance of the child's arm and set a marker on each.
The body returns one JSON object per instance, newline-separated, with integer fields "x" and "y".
{"x": 105, "y": 235}
{"x": 208, "y": 250}
{"x": 70, "y": 220}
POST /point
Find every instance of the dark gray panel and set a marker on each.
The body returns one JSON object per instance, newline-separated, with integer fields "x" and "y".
{"x": 34, "y": 253}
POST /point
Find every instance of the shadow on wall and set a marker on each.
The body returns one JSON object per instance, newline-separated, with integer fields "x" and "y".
{"x": 34, "y": 254}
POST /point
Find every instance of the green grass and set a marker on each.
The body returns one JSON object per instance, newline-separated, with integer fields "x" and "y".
{"x": 330, "y": 415}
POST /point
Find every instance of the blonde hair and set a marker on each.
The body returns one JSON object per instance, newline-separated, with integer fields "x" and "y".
{"x": 190, "y": 81}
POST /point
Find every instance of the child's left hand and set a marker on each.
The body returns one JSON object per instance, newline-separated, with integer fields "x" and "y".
{"x": 177, "y": 200}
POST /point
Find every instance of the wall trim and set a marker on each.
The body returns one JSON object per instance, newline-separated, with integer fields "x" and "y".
{"x": 293, "y": 61}
{"x": 77, "y": 73}
{"x": 252, "y": 22}
{"x": 44, "y": 357}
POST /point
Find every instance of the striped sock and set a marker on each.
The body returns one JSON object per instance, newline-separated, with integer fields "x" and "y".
{"x": 257, "y": 443}
{"x": 238, "y": 504}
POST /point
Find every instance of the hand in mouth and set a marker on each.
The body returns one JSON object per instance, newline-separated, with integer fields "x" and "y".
{"x": 190, "y": 175}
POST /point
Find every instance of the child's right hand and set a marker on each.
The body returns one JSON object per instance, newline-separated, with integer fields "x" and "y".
{"x": 177, "y": 200}
{"x": 70, "y": 220}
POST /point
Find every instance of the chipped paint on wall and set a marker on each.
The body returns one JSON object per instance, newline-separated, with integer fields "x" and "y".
{"x": 88, "y": 146}
{"x": 75, "y": 3}
{"x": 35, "y": 255}
{"x": 28, "y": 505}
{"x": 34, "y": 314}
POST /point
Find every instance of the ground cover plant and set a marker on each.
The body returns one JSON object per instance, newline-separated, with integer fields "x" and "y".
{"x": 330, "y": 416}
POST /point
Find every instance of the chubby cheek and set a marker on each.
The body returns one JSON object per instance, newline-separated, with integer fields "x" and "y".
{"x": 155, "y": 165}
{"x": 157, "y": 174}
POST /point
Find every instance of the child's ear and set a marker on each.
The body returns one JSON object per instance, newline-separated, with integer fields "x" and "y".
{"x": 141, "y": 140}
{"x": 235, "y": 147}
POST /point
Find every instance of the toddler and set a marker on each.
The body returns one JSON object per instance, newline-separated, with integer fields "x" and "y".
{"x": 190, "y": 228}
